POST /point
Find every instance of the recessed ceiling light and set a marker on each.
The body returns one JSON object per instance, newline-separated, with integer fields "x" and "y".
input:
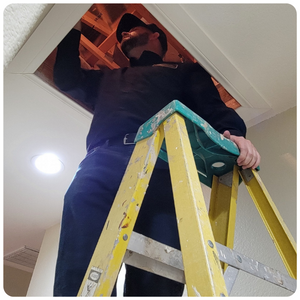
{"x": 47, "y": 163}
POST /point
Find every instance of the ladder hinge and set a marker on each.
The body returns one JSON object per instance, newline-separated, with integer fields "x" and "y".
{"x": 247, "y": 174}
{"x": 226, "y": 179}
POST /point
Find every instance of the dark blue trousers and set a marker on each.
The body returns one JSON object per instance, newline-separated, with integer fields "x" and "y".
{"x": 86, "y": 207}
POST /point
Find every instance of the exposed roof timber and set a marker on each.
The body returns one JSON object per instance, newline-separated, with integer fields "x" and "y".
{"x": 99, "y": 54}
{"x": 97, "y": 24}
{"x": 102, "y": 19}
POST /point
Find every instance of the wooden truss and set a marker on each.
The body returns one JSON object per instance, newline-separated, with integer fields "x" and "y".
{"x": 99, "y": 46}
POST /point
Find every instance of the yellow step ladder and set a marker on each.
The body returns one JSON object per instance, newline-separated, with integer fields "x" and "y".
{"x": 194, "y": 150}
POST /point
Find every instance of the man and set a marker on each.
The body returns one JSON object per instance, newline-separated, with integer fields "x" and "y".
{"x": 121, "y": 101}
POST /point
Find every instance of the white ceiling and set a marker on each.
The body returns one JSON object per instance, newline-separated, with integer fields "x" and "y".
{"x": 249, "y": 49}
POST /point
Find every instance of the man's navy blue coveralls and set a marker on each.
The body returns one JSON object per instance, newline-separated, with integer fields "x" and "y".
{"x": 121, "y": 101}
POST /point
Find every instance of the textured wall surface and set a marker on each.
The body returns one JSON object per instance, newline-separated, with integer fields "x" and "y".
{"x": 19, "y": 21}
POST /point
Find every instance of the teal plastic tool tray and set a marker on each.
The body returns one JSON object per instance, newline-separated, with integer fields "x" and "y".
{"x": 213, "y": 153}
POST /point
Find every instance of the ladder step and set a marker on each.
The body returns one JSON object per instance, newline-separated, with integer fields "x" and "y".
{"x": 255, "y": 268}
{"x": 152, "y": 256}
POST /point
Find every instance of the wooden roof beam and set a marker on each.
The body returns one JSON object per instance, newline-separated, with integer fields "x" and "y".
{"x": 95, "y": 51}
{"x": 99, "y": 25}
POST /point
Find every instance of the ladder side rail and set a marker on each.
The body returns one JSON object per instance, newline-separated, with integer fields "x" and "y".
{"x": 222, "y": 207}
{"x": 107, "y": 259}
{"x": 274, "y": 223}
{"x": 200, "y": 258}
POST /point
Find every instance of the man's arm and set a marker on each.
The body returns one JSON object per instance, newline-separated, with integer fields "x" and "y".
{"x": 68, "y": 74}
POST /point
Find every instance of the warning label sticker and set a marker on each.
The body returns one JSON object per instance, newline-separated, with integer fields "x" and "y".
{"x": 92, "y": 282}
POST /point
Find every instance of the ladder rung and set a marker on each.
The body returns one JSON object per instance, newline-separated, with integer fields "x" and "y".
{"x": 155, "y": 257}
{"x": 253, "y": 267}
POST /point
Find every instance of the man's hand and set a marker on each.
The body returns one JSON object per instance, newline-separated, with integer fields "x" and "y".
{"x": 249, "y": 157}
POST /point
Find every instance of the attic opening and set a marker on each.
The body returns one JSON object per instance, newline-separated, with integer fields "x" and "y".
{"x": 99, "y": 48}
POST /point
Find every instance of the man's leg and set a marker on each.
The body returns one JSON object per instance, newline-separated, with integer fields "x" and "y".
{"x": 156, "y": 220}
{"x": 87, "y": 204}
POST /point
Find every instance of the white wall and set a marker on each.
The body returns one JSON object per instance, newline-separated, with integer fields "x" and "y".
{"x": 43, "y": 275}
{"x": 275, "y": 139}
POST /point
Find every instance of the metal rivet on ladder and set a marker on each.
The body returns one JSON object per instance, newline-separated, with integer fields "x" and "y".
{"x": 239, "y": 258}
{"x": 210, "y": 244}
{"x": 125, "y": 237}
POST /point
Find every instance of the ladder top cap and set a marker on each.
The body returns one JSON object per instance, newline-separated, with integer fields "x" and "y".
{"x": 150, "y": 126}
